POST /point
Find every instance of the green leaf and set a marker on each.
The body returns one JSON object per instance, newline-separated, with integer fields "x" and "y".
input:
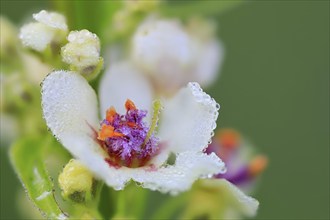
{"x": 27, "y": 158}
{"x": 202, "y": 8}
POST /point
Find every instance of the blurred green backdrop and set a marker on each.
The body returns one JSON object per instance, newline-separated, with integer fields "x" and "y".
{"x": 274, "y": 88}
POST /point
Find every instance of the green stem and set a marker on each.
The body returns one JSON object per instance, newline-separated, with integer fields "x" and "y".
{"x": 141, "y": 202}
{"x": 121, "y": 204}
{"x": 169, "y": 207}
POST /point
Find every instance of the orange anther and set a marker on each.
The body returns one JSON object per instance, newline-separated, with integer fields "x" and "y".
{"x": 129, "y": 105}
{"x": 131, "y": 124}
{"x": 107, "y": 131}
{"x": 111, "y": 112}
{"x": 229, "y": 138}
{"x": 258, "y": 165}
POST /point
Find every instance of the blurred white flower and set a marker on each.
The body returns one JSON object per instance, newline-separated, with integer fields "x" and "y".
{"x": 173, "y": 55}
{"x": 83, "y": 53}
{"x": 125, "y": 147}
{"x": 49, "y": 28}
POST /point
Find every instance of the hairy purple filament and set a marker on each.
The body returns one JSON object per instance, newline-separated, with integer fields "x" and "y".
{"x": 125, "y": 138}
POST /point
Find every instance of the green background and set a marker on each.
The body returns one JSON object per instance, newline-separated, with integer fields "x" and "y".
{"x": 273, "y": 88}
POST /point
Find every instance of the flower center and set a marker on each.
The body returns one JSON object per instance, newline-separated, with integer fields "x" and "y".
{"x": 127, "y": 140}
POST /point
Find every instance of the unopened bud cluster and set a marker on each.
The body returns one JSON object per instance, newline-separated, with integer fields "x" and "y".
{"x": 50, "y": 32}
{"x": 49, "y": 28}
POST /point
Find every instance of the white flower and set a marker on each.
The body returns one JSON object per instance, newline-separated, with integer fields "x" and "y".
{"x": 50, "y": 27}
{"x": 185, "y": 128}
{"x": 83, "y": 52}
{"x": 174, "y": 55}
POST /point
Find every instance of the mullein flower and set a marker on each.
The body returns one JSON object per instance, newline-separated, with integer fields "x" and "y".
{"x": 83, "y": 53}
{"x": 124, "y": 146}
{"x": 172, "y": 54}
{"x": 243, "y": 167}
{"x": 50, "y": 29}
{"x": 227, "y": 189}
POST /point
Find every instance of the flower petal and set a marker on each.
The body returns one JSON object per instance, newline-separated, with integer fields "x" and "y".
{"x": 121, "y": 82}
{"x": 70, "y": 110}
{"x": 189, "y": 119}
{"x": 243, "y": 204}
{"x": 188, "y": 167}
{"x": 210, "y": 57}
{"x": 69, "y": 106}
{"x": 218, "y": 199}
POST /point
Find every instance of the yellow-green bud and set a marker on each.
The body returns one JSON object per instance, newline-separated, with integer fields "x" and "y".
{"x": 76, "y": 182}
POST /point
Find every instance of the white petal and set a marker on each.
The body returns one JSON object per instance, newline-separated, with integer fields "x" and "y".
{"x": 51, "y": 19}
{"x": 123, "y": 81}
{"x": 156, "y": 40}
{"x": 90, "y": 154}
{"x": 164, "y": 50}
{"x": 209, "y": 59}
{"x": 70, "y": 110}
{"x": 244, "y": 205}
{"x": 188, "y": 167}
{"x": 188, "y": 119}
{"x": 69, "y": 106}
{"x": 36, "y": 35}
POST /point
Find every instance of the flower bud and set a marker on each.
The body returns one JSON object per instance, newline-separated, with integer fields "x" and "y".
{"x": 76, "y": 182}
{"x": 83, "y": 53}
{"x": 50, "y": 29}
{"x": 163, "y": 50}
{"x": 173, "y": 55}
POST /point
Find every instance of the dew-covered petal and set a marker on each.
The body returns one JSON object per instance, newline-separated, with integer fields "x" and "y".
{"x": 123, "y": 81}
{"x": 51, "y": 19}
{"x": 70, "y": 110}
{"x": 188, "y": 119}
{"x": 188, "y": 167}
{"x": 69, "y": 106}
{"x": 91, "y": 155}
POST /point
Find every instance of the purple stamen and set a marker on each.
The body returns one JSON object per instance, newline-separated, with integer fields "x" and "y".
{"x": 133, "y": 147}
